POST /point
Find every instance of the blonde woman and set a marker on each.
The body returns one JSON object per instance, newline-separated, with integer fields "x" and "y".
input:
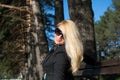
{"x": 67, "y": 54}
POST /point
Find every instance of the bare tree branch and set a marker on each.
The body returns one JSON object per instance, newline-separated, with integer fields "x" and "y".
{"x": 24, "y": 9}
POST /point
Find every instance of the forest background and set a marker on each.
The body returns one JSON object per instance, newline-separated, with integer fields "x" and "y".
{"x": 18, "y": 39}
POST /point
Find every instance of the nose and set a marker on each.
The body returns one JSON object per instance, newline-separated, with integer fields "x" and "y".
{"x": 59, "y": 36}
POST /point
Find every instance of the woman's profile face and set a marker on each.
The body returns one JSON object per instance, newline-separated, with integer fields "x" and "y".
{"x": 58, "y": 37}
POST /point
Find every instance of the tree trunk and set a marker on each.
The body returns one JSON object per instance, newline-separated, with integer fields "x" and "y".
{"x": 81, "y": 12}
{"x": 36, "y": 43}
{"x": 58, "y": 11}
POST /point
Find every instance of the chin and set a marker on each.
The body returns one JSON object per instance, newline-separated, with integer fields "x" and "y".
{"x": 57, "y": 43}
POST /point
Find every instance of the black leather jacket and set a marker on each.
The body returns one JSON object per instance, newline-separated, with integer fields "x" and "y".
{"x": 56, "y": 65}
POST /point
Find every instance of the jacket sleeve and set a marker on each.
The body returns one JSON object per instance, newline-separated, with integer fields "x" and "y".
{"x": 60, "y": 66}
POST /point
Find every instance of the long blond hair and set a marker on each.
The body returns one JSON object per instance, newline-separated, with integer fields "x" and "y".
{"x": 73, "y": 44}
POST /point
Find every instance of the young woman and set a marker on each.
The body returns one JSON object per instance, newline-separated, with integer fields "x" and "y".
{"x": 65, "y": 57}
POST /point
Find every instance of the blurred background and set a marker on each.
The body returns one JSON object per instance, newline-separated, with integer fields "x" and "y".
{"x": 27, "y": 34}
